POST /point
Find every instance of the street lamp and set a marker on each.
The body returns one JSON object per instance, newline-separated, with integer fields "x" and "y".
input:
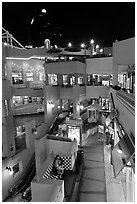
{"x": 97, "y": 49}
{"x": 101, "y": 50}
{"x": 92, "y": 47}
{"x": 83, "y": 46}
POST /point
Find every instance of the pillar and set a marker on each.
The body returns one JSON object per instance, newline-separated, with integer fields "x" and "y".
{"x": 133, "y": 83}
{"x": 60, "y": 79}
{"x": 60, "y": 103}
{"x": 69, "y": 78}
{"x": 115, "y": 74}
{"x": 85, "y": 79}
{"x": 76, "y": 107}
{"x": 46, "y": 79}
{"x": 47, "y": 105}
{"x": 24, "y": 76}
{"x": 76, "y": 78}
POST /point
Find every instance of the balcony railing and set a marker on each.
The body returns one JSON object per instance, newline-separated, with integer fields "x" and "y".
{"x": 28, "y": 85}
{"x": 128, "y": 98}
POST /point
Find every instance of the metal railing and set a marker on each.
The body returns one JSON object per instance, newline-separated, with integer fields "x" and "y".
{"x": 28, "y": 85}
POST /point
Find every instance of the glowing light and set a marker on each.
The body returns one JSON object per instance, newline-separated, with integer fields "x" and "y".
{"x": 56, "y": 47}
{"x": 43, "y": 11}
{"x": 81, "y": 107}
{"x": 97, "y": 46}
{"x": 70, "y": 44}
{"x": 10, "y": 170}
{"x": 83, "y": 45}
{"x": 92, "y": 41}
{"x": 119, "y": 151}
{"x": 32, "y": 21}
{"x": 101, "y": 50}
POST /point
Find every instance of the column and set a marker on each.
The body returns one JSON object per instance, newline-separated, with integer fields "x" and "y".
{"x": 60, "y": 79}
{"x": 69, "y": 77}
{"x": 133, "y": 83}
{"x": 85, "y": 79}
{"x": 76, "y": 107}
{"x": 46, "y": 79}
{"x": 60, "y": 102}
{"x": 24, "y": 76}
{"x": 69, "y": 102}
{"x": 115, "y": 74}
{"x": 76, "y": 78}
{"x": 47, "y": 105}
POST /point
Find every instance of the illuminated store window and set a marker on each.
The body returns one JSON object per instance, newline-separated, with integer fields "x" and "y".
{"x": 20, "y": 139}
{"x": 6, "y": 107}
{"x": 65, "y": 79}
{"x": 80, "y": 80}
{"x": 16, "y": 100}
{"x": 41, "y": 76}
{"x": 29, "y": 76}
{"x": 52, "y": 79}
{"x": 120, "y": 80}
{"x": 17, "y": 78}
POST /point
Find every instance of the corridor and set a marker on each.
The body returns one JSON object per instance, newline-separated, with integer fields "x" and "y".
{"x": 92, "y": 186}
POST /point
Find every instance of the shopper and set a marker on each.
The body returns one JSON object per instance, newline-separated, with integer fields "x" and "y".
{"x": 57, "y": 166}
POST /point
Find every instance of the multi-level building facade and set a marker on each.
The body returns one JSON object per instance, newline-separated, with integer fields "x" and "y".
{"x": 37, "y": 85}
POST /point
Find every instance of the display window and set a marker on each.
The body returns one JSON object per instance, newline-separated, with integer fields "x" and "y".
{"x": 65, "y": 79}
{"x": 80, "y": 80}
{"x": 29, "y": 76}
{"x": 17, "y": 78}
{"x": 74, "y": 133}
{"x": 52, "y": 79}
{"x": 16, "y": 100}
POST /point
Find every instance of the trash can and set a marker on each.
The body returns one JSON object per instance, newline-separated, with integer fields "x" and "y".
{"x": 80, "y": 156}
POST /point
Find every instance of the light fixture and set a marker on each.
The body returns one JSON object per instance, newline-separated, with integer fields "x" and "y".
{"x": 119, "y": 151}
{"x": 10, "y": 170}
{"x": 43, "y": 11}
{"x": 34, "y": 131}
{"x": 81, "y": 107}
{"x": 70, "y": 44}
{"x": 51, "y": 104}
{"x": 32, "y": 21}
{"x": 101, "y": 50}
{"x": 97, "y": 46}
{"x": 92, "y": 41}
{"x": 83, "y": 45}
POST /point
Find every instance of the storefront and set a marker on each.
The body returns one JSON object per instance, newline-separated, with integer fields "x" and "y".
{"x": 123, "y": 161}
{"x": 74, "y": 129}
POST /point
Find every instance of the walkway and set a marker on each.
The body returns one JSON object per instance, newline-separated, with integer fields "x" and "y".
{"x": 93, "y": 183}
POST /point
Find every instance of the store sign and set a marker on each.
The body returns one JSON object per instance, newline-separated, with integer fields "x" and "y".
{"x": 76, "y": 122}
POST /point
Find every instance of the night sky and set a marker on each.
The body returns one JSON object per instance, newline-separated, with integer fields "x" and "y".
{"x": 80, "y": 21}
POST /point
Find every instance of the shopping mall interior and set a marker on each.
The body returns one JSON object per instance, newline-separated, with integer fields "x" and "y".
{"x": 78, "y": 104}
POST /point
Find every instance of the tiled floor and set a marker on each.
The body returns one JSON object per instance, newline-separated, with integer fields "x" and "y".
{"x": 92, "y": 185}
{"x": 97, "y": 182}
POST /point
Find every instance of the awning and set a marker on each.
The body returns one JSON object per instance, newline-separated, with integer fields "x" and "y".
{"x": 122, "y": 153}
{"x": 96, "y": 106}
